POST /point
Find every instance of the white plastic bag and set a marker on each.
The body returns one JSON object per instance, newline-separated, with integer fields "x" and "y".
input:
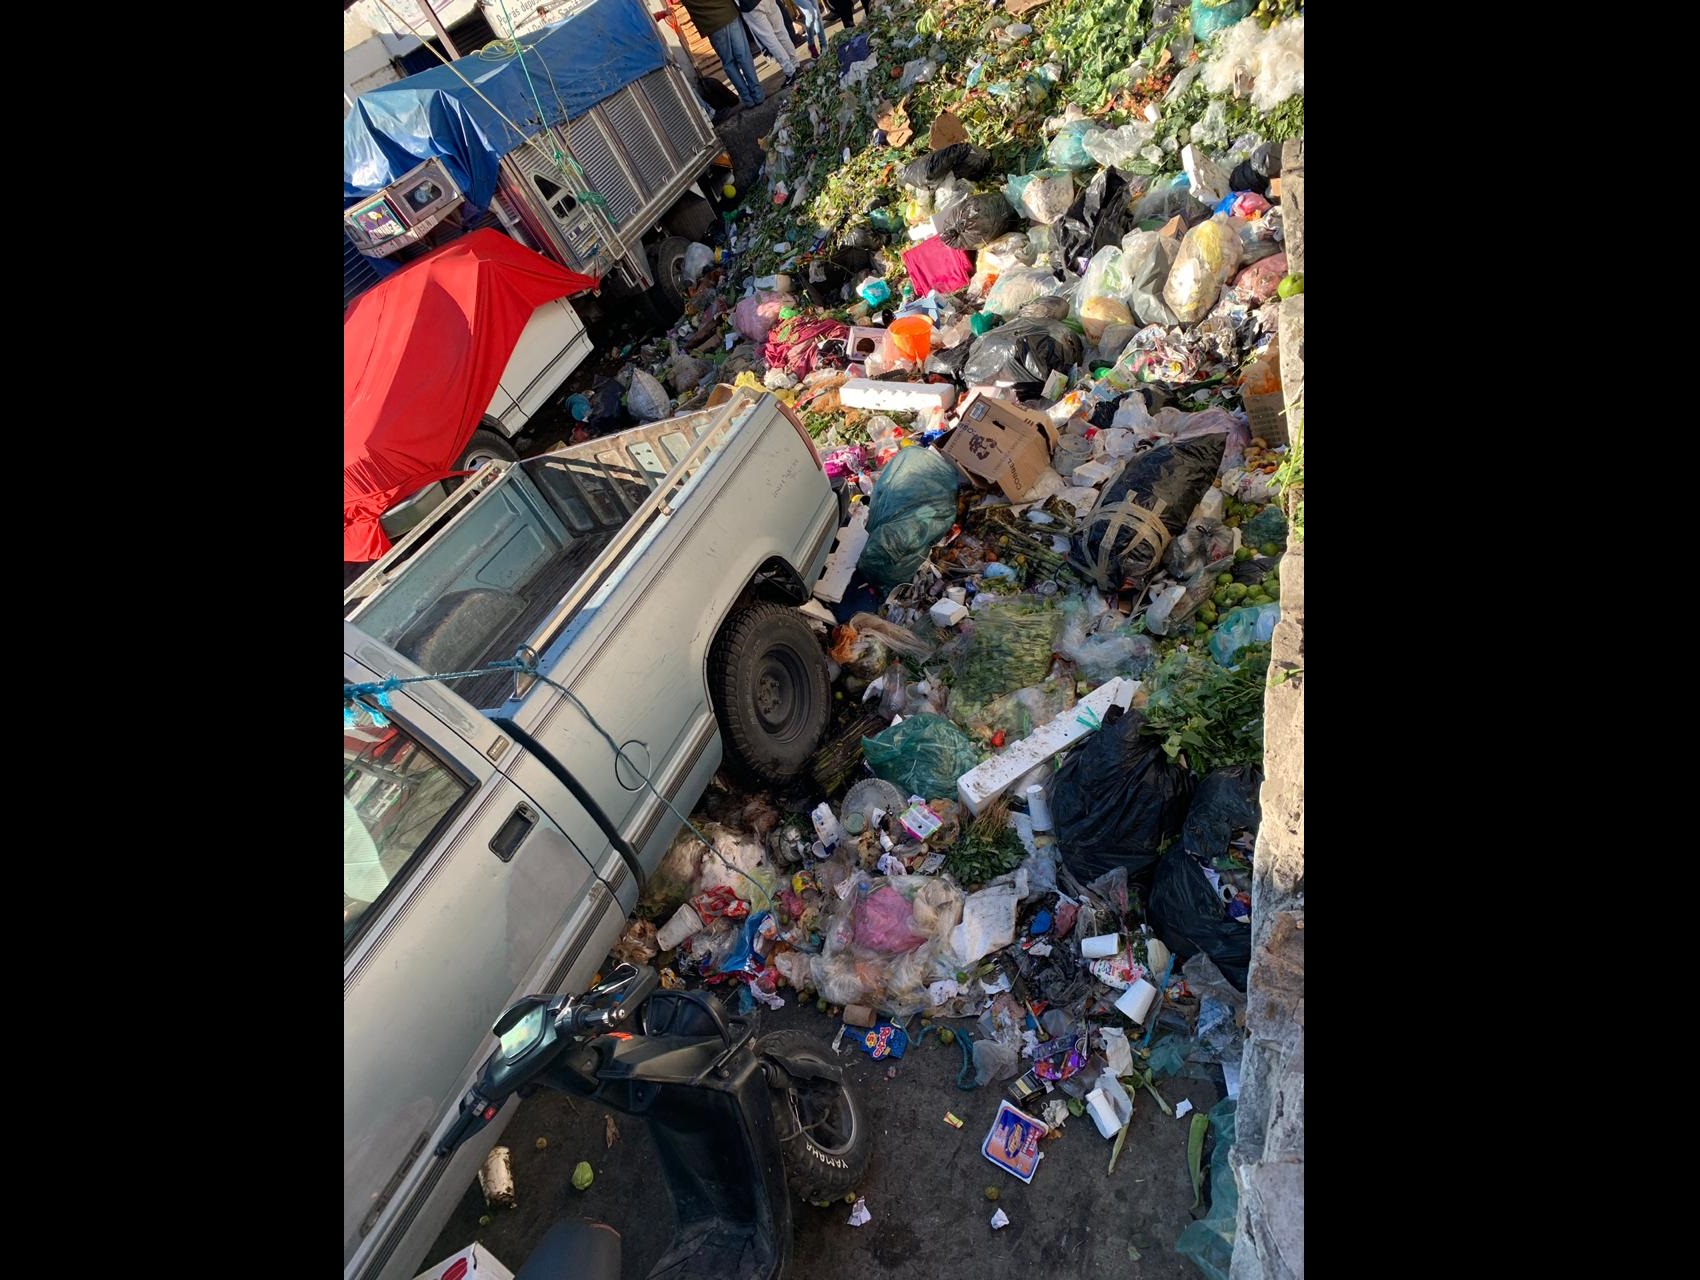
{"x": 698, "y": 258}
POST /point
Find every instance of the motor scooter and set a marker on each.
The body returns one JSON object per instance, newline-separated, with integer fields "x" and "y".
{"x": 741, "y": 1122}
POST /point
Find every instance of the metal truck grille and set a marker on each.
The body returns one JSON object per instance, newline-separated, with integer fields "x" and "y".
{"x": 648, "y": 156}
{"x": 602, "y": 170}
{"x": 680, "y": 120}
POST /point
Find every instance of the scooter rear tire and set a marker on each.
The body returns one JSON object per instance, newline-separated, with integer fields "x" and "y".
{"x": 819, "y": 1170}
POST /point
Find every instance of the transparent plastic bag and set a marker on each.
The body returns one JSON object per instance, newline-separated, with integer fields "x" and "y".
{"x": 1018, "y": 714}
{"x": 1105, "y": 277}
{"x": 1118, "y": 147}
{"x": 1009, "y": 648}
{"x": 1209, "y": 254}
{"x": 994, "y": 1061}
{"x": 1242, "y": 627}
{"x": 1208, "y": 1242}
{"x": 1015, "y": 289}
{"x": 1043, "y": 195}
{"x": 647, "y": 398}
{"x": 1105, "y": 647}
{"x": 1068, "y": 148}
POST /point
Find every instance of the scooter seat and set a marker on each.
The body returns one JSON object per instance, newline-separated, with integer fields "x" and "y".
{"x": 574, "y": 1250}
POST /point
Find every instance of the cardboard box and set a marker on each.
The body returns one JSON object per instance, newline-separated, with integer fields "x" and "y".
{"x": 474, "y": 1262}
{"x": 999, "y": 443}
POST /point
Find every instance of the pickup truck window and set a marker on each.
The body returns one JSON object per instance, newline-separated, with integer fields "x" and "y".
{"x": 395, "y": 796}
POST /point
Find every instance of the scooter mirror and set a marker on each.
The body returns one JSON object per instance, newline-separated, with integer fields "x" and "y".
{"x": 521, "y": 1027}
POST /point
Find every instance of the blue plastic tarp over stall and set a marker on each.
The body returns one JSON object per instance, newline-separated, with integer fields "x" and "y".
{"x": 573, "y": 65}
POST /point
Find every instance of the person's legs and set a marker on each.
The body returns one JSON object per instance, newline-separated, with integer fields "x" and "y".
{"x": 812, "y": 26}
{"x": 790, "y": 26}
{"x": 734, "y": 53}
{"x": 764, "y": 21}
{"x": 846, "y": 11}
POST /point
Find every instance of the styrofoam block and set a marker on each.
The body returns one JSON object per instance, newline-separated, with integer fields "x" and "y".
{"x": 947, "y": 613}
{"x": 905, "y": 397}
{"x": 835, "y": 575}
{"x": 986, "y": 782}
{"x": 1092, "y": 473}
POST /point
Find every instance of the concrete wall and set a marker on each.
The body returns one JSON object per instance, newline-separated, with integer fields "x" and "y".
{"x": 1268, "y": 1157}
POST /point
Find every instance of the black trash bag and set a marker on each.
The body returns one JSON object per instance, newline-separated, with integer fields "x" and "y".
{"x": 1142, "y": 507}
{"x": 1167, "y": 202}
{"x": 824, "y": 279}
{"x": 1254, "y": 172}
{"x": 1103, "y": 415}
{"x": 975, "y": 222}
{"x": 950, "y": 362}
{"x": 1149, "y": 276}
{"x": 1187, "y": 914}
{"x": 607, "y": 408}
{"x": 1253, "y": 571}
{"x": 1022, "y": 351}
{"x": 1100, "y": 215}
{"x": 1117, "y": 799}
{"x": 960, "y": 160}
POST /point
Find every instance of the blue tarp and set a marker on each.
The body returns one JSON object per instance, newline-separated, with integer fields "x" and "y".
{"x": 573, "y": 65}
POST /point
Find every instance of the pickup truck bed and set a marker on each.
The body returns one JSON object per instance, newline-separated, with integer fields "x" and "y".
{"x": 501, "y": 562}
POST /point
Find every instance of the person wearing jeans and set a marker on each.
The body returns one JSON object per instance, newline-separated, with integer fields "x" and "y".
{"x": 813, "y": 28}
{"x": 764, "y": 22}
{"x": 718, "y": 21}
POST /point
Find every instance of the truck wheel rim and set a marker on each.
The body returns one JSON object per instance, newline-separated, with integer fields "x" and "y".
{"x": 779, "y": 702}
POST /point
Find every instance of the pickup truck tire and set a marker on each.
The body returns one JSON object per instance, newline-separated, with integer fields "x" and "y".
{"x": 692, "y": 217}
{"x": 484, "y": 446}
{"x": 668, "y": 295}
{"x": 768, "y": 681}
{"x": 827, "y": 1160}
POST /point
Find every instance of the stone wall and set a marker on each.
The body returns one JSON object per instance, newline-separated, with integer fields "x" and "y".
{"x": 1268, "y": 1157}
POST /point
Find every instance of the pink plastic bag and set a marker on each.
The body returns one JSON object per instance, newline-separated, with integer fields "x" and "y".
{"x": 757, "y": 314}
{"x": 1256, "y": 284}
{"x": 882, "y": 923}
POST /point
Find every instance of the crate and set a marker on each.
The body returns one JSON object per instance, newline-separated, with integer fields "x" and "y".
{"x": 1266, "y": 413}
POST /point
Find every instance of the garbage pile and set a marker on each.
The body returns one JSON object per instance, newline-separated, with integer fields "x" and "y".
{"x": 1020, "y": 281}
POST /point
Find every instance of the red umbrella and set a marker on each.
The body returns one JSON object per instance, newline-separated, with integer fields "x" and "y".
{"x": 422, "y": 354}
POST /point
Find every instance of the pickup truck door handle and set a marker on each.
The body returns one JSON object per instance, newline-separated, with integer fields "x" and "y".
{"x": 513, "y": 832}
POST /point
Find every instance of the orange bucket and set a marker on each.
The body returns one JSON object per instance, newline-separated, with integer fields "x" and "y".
{"x": 912, "y": 337}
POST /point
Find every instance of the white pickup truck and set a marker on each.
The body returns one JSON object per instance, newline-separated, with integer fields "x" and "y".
{"x": 494, "y": 840}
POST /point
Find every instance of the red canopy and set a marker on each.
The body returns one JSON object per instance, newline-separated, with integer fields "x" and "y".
{"x": 422, "y": 354}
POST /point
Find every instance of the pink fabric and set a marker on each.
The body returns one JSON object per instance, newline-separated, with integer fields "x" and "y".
{"x": 794, "y": 344}
{"x": 934, "y": 265}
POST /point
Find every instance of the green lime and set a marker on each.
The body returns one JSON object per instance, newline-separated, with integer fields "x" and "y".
{"x": 1269, "y": 549}
{"x": 1290, "y": 285}
{"x": 1240, "y": 557}
{"x": 1207, "y": 612}
{"x": 947, "y": 1036}
{"x": 991, "y": 1193}
{"x": 820, "y": 1006}
{"x": 1237, "y": 591}
{"x": 1224, "y": 579}
{"x": 1221, "y": 599}
{"x": 1200, "y": 629}
{"x": 582, "y": 1176}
